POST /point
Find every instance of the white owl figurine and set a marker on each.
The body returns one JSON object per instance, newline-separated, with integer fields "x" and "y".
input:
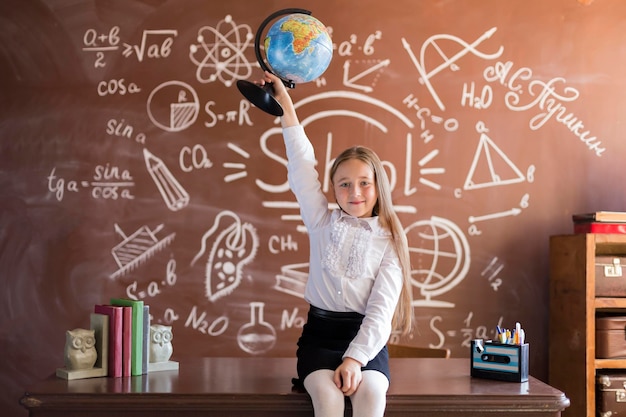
{"x": 160, "y": 343}
{"x": 80, "y": 349}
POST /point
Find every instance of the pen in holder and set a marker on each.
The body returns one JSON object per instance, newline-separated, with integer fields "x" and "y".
{"x": 500, "y": 361}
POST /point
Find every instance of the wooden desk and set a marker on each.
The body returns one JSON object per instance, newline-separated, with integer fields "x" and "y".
{"x": 262, "y": 387}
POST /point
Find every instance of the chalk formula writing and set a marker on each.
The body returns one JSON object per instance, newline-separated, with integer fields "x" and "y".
{"x": 153, "y": 288}
{"x": 108, "y": 183}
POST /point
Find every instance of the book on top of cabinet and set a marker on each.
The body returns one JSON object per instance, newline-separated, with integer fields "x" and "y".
{"x": 600, "y": 216}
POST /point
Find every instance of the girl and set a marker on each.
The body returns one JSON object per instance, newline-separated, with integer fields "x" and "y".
{"x": 359, "y": 276}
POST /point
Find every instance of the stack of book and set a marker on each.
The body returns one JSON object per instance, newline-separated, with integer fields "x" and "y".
{"x": 129, "y": 331}
{"x": 122, "y": 340}
{"x": 600, "y": 222}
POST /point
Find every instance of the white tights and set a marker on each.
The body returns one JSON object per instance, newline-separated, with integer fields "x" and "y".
{"x": 369, "y": 400}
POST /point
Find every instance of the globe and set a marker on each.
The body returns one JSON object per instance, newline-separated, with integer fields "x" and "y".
{"x": 440, "y": 258}
{"x": 298, "y": 48}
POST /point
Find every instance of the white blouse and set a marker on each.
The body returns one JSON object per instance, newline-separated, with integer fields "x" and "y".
{"x": 353, "y": 264}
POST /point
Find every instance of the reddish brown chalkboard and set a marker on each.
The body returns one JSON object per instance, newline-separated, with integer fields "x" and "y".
{"x": 131, "y": 166}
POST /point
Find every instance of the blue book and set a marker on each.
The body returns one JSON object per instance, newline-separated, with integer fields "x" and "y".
{"x": 146, "y": 339}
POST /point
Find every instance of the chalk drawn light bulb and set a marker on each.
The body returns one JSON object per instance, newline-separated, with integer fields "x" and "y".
{"x": 257, "y": 336}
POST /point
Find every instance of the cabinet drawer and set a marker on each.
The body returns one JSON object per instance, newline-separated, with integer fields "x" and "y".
{"x": 610, "y": 276}
{"x": 611, "y": 337}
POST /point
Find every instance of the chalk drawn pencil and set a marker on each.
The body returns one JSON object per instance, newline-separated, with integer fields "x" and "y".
{"x": 172, "y": 192}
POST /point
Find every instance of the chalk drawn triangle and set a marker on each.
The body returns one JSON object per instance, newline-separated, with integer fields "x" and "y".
{"x": 491, "y": 167}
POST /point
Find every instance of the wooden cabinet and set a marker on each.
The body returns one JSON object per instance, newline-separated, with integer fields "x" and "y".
{"x": 573, "y": 310}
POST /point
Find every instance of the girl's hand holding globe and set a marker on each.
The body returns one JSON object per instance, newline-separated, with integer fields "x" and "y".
{"x": 298, "y": 49}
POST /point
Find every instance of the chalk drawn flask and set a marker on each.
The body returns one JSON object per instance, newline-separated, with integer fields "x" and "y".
{"x": 257, "y": 336}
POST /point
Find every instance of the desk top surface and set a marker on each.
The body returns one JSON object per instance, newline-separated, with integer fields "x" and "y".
{"x": 272, "y": 376}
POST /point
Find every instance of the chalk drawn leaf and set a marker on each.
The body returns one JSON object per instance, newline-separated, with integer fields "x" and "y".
{"x": 233, "y": 248}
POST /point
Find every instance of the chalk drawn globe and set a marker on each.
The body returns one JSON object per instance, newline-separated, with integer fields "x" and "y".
{"x": 440, "y": 259}
{"x": 298, "y": 48}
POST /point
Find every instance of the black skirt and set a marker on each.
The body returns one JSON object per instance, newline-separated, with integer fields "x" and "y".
{"x": 325, "y": 338}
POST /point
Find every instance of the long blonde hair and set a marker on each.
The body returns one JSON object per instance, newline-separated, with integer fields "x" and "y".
{"x": 403, "y": 316}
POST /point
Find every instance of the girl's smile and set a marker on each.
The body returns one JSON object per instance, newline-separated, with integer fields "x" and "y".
{"x": 355, "y": 188}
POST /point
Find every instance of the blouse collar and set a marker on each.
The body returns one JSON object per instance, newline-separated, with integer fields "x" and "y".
{"x": 369, "y": 223}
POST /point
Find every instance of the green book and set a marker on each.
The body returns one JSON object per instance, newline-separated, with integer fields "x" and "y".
{"x": 136, "y": 358}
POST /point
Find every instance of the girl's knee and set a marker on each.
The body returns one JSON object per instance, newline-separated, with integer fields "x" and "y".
{"x": 375, "y": 382}
{"x": 323, "y": 391}
{"x": 371, "y": 397}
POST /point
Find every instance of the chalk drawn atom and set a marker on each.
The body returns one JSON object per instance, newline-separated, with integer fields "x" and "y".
{"x": 219, "y": 54}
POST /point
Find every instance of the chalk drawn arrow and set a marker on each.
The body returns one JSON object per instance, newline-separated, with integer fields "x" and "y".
{"x": 513, "y": 212}
{"x": 349, "y": 81}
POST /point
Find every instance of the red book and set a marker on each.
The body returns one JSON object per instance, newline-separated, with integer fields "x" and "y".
{"x": 599, "y": 227}
{"x": 136, "y": 306}
{"x": 127, "y": 340}
{"x": 115, "y": 337}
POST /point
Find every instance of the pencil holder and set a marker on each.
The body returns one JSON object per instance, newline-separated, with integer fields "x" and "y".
{"x": 503, "y": 362}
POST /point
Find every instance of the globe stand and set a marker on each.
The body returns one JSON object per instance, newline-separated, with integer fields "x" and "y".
{"x": 261, "y": 96}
